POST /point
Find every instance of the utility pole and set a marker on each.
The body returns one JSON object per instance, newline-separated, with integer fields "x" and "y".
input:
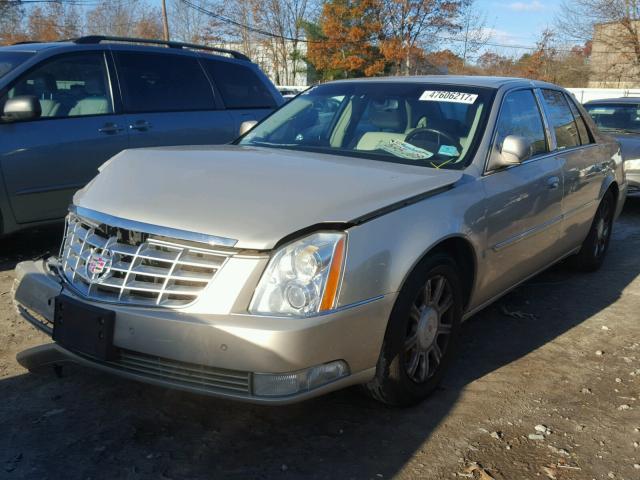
{"x": 165, "y": 21}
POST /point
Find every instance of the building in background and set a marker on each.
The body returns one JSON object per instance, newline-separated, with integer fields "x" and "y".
{"x": 615, "y": 56}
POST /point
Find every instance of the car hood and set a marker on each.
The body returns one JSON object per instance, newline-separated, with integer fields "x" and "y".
{"x": 256, "y": 196}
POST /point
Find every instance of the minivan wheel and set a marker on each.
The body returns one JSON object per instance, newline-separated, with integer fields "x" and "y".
{"x": 420, "y": 340}
{"x": 595, "y": 246}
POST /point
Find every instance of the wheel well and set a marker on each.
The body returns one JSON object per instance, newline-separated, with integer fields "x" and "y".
{"x": 463, "y": 253}
{"x": 616, "y": 193}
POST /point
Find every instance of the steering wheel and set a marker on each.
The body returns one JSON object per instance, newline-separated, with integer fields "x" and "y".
{"x": 440, "y": 134}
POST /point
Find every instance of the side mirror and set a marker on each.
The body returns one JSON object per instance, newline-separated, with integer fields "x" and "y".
{"x": 246, "y": 126}
{"x": 515, "y": 150}
{"x": 17, "y": 109}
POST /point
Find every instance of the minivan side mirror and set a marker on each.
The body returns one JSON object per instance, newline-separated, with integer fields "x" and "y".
{"x": 515, "y": 150}
{"x": 21, "y": 108}
{"x": 246, "y": 126}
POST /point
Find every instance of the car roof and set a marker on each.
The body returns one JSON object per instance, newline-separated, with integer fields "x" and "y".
{"x": 32, "y": 46}
{"x": 68, "y": 45}
{"x": 620, "y": 100}
{"x": 466, "y": 80}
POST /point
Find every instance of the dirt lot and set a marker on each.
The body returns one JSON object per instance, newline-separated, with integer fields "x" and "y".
{"x": 561, "y": 353}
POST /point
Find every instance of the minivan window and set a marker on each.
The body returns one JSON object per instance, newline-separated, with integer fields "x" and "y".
{"x": 239, "y": 86}
{"x": 585, "y": 137}
{"x": 73, "y": 85}
{"x": 163, "y": 83}
{"x": 10, "y": 60}
{"x": 561, "y": 119}
{"x": 520, "y": 116}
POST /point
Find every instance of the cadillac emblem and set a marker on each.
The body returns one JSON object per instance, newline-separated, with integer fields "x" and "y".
{"x": 99, "y": 265}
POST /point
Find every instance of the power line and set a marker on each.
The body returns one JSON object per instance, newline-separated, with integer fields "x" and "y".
{"x": 259, "y": 31}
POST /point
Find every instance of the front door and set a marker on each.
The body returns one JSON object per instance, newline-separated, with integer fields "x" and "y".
{"x": 524, "y": 202}
{"x": 44, "y": 161}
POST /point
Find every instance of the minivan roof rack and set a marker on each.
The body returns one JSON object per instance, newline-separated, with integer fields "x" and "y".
{"x": 94, "y": 39}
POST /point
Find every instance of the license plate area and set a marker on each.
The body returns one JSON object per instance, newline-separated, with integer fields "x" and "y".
{"x": 84, "y": 328}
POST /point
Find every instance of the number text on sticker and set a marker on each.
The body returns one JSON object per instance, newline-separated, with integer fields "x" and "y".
{"x": 442, "y": 96}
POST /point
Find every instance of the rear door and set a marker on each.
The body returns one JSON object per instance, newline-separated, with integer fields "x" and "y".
{"x": 170, "y": 101}
{"x": 44, "y": 161}
{"x": 582, "y": 164}
{"x": 245, "y": 91}
{"x": 524, "y": 202}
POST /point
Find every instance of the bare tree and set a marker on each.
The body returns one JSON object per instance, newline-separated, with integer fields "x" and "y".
{"x": 133, "y": 18}
{"x": 614, "y": 28}
{"x": 188, "y": 24}
{"x": 474, "y": 32}
{"x": 407, "y": 24}
{"x": 11, "y": 21}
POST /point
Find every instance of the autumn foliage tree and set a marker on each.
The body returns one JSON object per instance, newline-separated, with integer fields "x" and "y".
{"x": 348, "y": 33}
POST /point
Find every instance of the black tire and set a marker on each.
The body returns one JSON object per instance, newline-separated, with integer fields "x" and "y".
{"x": 398, "y": 381}
{"x": 594, "y": 248}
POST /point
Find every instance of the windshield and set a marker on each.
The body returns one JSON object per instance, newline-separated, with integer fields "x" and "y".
{"x": 10, "y": 60}
{"x": 431, "y": 125}
{"x": 616, "y": 117}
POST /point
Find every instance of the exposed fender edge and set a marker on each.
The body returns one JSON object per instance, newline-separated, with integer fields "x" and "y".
{"x": 361, "y": 219}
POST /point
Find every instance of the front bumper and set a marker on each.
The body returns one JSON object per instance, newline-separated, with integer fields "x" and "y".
{"x": 214, "y": 354}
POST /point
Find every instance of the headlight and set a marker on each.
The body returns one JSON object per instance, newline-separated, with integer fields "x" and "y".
{"x": 302, "y": 278}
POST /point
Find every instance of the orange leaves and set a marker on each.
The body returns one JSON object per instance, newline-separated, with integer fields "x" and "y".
{"x": 349, "y": 30}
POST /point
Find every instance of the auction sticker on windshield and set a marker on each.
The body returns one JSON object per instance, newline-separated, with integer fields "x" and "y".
{"x": 453, "y": 97}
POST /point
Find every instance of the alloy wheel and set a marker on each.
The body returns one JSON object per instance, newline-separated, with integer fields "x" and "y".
{"x": 429, "y": 329}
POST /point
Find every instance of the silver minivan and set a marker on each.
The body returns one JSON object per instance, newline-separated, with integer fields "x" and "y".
{"x": 67, "y": 107}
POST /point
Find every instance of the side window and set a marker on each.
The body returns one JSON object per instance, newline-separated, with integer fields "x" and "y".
{"x": 163, "y": 83}
{"x": 69, "y": 86}
{"x": 561, "y": 119}
{"x": 239, "y": 86}
{"x": 520, "y": 116}
{"x": 583, "y": 130}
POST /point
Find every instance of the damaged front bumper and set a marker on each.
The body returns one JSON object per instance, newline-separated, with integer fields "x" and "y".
{"x": 272, "y": 360}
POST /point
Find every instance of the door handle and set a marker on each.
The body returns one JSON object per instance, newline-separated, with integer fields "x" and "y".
{"x": 140, "y": 125}
{"x": 553, "y": 182}
{"x": 110, "y": 128}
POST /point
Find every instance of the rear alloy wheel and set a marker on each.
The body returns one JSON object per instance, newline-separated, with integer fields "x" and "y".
{"x": 420, "y": 339}
{"x": 595, "y": 246}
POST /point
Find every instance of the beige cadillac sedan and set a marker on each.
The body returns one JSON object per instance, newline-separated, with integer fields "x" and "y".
{"x": 341, "y": 241}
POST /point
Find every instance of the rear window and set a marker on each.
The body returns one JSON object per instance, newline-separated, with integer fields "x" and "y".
{"x": 561, "y": 119}
{"x": 585, "y": 136}
{"x": 163, "y": 83}
{"x": 10, "y": 60}
{"x": 239, "y": 86}
{"x": 621, "y": 117}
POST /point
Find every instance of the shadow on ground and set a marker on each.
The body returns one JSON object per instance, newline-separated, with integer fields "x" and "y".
{"x": 88, "y": 425}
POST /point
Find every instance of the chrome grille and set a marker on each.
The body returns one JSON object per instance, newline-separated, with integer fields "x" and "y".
{"x": 136, "y": 268}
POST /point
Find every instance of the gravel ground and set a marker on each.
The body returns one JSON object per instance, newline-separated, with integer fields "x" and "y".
{"x": 546, "y": 386}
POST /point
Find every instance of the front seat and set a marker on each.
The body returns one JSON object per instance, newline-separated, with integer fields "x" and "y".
{"x": 95, "y": 102}
{"x": 391, "y": 122}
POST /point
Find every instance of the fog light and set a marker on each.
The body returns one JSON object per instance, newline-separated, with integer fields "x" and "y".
{"x": 283, "y": 384}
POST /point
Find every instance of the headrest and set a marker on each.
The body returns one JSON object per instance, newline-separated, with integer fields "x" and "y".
{"x": 387, "y": 115}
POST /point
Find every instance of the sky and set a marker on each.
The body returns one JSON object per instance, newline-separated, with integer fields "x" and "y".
{"x": 517, "y": 22}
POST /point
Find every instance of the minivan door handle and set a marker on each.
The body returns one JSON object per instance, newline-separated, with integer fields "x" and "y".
{"x": 140, "y": 125}
{"x": 110, "y": 128}
{"x": 553, "y": 182}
